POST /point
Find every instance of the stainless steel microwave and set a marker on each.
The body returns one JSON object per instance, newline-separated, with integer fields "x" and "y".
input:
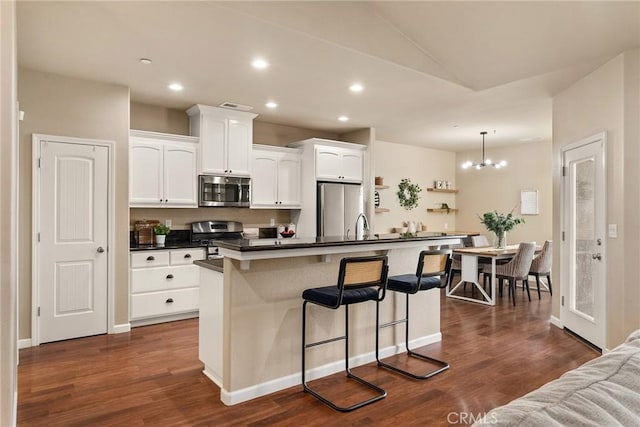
{"x": 224, "y": 191}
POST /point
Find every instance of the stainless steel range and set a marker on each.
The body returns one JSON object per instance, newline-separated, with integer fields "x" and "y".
{"x": 205, "y": 233}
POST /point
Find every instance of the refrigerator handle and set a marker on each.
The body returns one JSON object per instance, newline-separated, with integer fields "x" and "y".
{"x": 321, "y": 193}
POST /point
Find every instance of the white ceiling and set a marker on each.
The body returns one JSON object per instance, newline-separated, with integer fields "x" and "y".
{"x": 435, "y": 73}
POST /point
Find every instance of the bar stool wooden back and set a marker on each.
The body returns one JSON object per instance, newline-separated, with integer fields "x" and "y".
{"x": 360, "y": 279}
{"x": 432, "y": 266}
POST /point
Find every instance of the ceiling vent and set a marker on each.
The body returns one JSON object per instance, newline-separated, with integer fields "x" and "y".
{"x": 234, "y": 106}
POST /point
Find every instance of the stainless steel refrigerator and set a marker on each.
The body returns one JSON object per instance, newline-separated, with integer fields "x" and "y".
{"x": 338, "y": 208}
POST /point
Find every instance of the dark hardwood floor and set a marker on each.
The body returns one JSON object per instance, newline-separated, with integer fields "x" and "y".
{"x": 152, "y": 376}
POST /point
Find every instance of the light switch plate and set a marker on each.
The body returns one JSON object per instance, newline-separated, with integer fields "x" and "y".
{"x": 613, "y": 231}
{"x": 168, "y": 222}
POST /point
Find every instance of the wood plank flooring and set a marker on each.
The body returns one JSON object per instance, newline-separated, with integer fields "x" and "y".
{"x": 152, "y": 376}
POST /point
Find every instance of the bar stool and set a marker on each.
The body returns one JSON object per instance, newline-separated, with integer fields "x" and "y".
{"x": 360, "y": 279}
{"x": 431, "y": 265}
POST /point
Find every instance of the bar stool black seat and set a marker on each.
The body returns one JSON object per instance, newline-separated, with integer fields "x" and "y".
{"x": 432, "y": 265}
{"x": 360, "y": 279}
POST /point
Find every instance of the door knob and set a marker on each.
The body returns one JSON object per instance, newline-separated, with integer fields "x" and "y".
{"x": 100, "y": 249}
{"x": 596, "y": 256}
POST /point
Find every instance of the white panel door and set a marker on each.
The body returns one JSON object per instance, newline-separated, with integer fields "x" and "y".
{"x": 180, "y": 176}
{"x": 213, "y": 136}
{"x": 584, "y": 285}
{"x": 352, "y": 166}
{"x": 239, "y": 147}
{"x": 145, "y": 174}
{"x": 264, "y": 179}
{"x": 73, "y": 240}
{"x": 289, "y": 177}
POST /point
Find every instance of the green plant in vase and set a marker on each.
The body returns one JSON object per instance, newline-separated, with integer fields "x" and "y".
{"x": 500, "y": 224}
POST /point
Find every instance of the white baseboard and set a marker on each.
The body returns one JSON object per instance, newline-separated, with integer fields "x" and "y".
{"x": 119, "y": 329}
{"x": 556, "y": 322}
{"x": 24, "y": 343}
{"x": 213, "y": 377}
{"x": 277, "y": 384}
{"x": 163, "y": 319}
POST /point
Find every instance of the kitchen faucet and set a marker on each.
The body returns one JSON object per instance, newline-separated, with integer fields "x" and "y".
{"x": 360, "y": 232}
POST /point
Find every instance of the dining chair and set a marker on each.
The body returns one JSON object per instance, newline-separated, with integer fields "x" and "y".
{"x": 541, "y": 265}
{"x": 479, "y": 241}
{"x": 516, "y": 269}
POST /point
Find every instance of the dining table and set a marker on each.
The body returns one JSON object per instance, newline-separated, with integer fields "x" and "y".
{"x": 469, "y": 274}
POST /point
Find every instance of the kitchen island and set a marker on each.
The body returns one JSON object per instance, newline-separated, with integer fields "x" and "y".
{"x": 251, "y": 312}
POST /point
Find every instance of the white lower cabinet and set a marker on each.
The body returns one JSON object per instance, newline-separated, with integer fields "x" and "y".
{"x": 165, "y": 285}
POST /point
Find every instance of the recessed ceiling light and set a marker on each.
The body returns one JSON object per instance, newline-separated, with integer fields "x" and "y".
{"x": 145, "y": 61}
{"x": 176, "y": 87}
{"x": 343, "y": 118}
{"x": 356, "y": 87}
{"x": 259, "y": 63}
{"x": 271, "y": 104}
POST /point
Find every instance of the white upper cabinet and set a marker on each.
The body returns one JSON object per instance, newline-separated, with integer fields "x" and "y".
{"x": 226, "y": 137}
{"x": 275, "y": 177}
{"x": 339, "y": 164}
{"x": 162, "y": 170}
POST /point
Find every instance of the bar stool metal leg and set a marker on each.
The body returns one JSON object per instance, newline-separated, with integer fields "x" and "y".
{"x": 381, "y": 393}
{"x": 443, "y": 366}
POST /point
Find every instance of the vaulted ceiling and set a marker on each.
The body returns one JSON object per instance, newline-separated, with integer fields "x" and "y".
{"x": 435, "y": 73}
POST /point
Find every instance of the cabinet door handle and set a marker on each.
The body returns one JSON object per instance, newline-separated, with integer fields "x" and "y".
{"x": 151, "y": 258}
{"x": 187, "y": 256}
{"x": 160, "y": 200}
{"x": 169, "y": 300}
{"x": 169, "y": 276}
{"x": 166, "y": 200}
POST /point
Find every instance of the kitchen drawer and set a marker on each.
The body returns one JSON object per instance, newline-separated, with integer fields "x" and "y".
{"x": 164, "y": 303}
{"x": 149, "y": 259}
{"x": 185, "y": 256}
{"x": 164, "y": 278}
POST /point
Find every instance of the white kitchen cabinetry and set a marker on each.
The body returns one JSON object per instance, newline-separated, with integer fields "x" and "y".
{"x": 339, "y": 164}
{"x": 162, "y": 170}
{"x": 275, "y": 177}
{"x": 165, "y": 285}
{"x": 226, "y": 137}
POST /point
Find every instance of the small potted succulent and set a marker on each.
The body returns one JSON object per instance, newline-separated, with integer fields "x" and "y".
{"x": 160, "y": 231}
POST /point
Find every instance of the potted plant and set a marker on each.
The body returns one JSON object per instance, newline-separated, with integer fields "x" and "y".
{"x": 500, "y": 223}
{"x": 160, "y": 231}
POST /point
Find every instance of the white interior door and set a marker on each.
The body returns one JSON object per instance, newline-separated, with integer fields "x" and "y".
{"x": 72, "y": 252}
{"x": 583, "y": 304}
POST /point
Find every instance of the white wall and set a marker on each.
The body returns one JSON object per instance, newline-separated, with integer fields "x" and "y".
{"x": 65, "y": 106}
{"x": 528, "y": 168}
{"x": 393, "y": 162}
{"x": 8, "y": 217}
{"x": 608, "y": 100}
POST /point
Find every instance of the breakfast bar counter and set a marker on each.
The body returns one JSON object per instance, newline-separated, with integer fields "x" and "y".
{"x": 251, "y": 312}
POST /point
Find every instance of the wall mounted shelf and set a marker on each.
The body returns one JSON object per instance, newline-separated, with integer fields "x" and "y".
{"x": 439, "y": 210}
{"x": 381, "y": 187}
{"x": 381, "y": 210}
{"x": 442, "y": 190}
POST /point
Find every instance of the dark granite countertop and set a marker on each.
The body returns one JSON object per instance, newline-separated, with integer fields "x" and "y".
{"x": 211, "y": 264}
{"x": 244, "y": 245}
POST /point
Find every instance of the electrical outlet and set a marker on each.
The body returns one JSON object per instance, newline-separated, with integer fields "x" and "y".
{"x": 613, "y": 231}
{"x": 167, "y": 222}
{"x": 446, "y": 225}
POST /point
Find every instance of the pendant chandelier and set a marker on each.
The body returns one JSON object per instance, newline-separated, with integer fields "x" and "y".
{"x": 485, "y": 162}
